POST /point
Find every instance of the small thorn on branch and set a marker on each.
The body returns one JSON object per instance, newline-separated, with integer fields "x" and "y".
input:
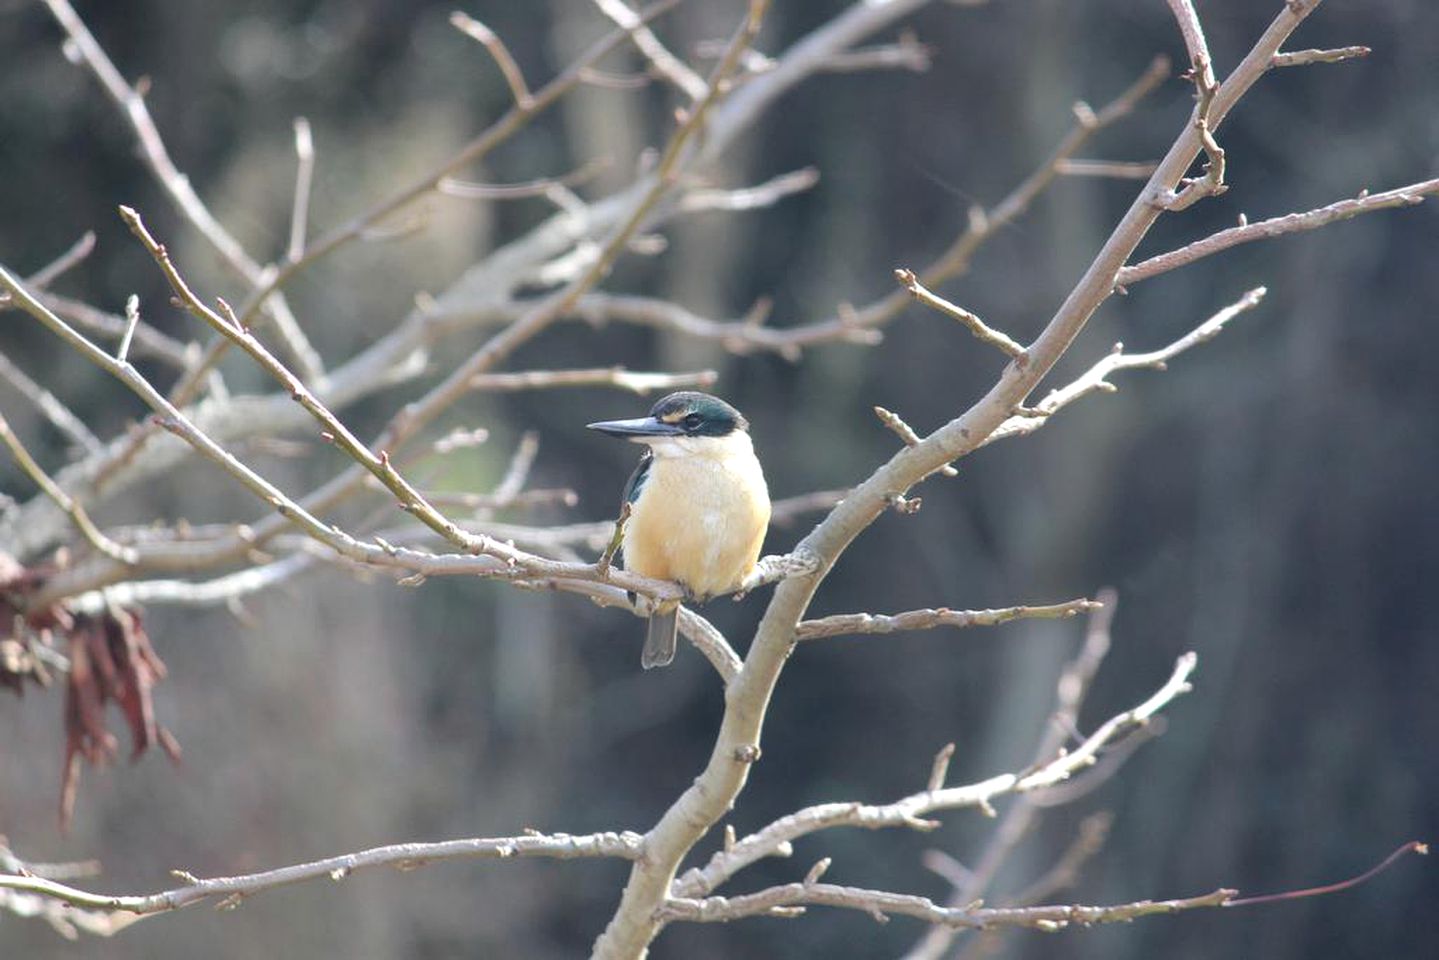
{"x": 132, "y": 320}
{"x": 905, "y": 505}
{"x": 982, "y": 331}
{"x": 817, "y": 871}
{"x": 940, "y": 768}
{"x": 747, "y": 753}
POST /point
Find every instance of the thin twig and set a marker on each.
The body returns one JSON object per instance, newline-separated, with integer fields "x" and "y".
{"x": 498, "y": 132}
{"x": 906, "y": 433}
{"x": 304, "y": 178}
{"x": 634, "y": 381}
{"x": 62, "y": 264}
{"x": 477, "y": 31}
{"x": 1413, "y": 846}
{"x": 132, "y": 320}
{"x": 1111, "y": 169}
{"x": 393, "y": 358}
{"x": 177, "y": 185}
{"x": 482, "y": 556}
{"x": 1089, "y": 840}
{"x": 859, "y": 325}
{"x": 880, "y": 904}
{"x": 69, "y": 504}
{"x": 910, "y": 811}
{"x": 1201, "y": 71}
{"x": 983, "y": 332}
{"x": 1366, "y": 202}
{"x": 59, "y": 415}
{"x": 404, "y": 856}
{"x": 665, "y": 64}
{"x": 1300, "y": 58}
{"x": 1075, "y": 681}
{"x": 750, "y": 198}
{"x": 540, "y": 187}
{"x": 148, "y": 342}
{"x": 853, "y": 624}
{"x": 185, "y": 593}
{"x": 1193, "y": 34}
{"x": 1096, "y": 378}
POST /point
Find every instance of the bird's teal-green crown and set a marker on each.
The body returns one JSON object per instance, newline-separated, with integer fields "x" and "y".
{"x": 686, "y": 413}
{"x": 699, "y": 414}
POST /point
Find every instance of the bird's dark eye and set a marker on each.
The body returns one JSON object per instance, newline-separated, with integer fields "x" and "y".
{"x": 692, "y": 421}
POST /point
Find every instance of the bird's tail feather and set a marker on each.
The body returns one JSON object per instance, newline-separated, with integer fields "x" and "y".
{"x": 661, "y": 638}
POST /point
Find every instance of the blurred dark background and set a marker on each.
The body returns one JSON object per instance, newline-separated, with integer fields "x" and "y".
{"x": 1269, "y": 502}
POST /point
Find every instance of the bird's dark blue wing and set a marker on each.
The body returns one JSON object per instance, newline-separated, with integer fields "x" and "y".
{"x": 637, "y": 479}
{"x": 633, "y": 486}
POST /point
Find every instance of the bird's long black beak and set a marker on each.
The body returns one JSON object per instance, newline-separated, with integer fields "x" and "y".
{"x": 637, "y": 428}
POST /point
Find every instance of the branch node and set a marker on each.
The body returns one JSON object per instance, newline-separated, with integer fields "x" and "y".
{"x": 817, "y": 871}
{"x": 939, "y": 769}
{"x": 905, "y": 505}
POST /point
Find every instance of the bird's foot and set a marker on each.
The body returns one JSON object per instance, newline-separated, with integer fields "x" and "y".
{"x": 800, "y": 563}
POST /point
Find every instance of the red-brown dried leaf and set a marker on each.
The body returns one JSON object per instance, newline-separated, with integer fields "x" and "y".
{"x": 111, "y": 661}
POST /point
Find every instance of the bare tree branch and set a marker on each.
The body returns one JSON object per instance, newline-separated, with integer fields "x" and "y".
{"x": 501, "y": 130}
{"x": 737, "y": 743}
{"x": 665, "y": 64}
{"x": 1112, "y": 169}
{"x": 477, "y": 31}
{"x": 1366, "y": 202}
{"x": 1073, "y": 687}
{"x": 1300, "y": 58}
{"x": 906, "y": 433}
{"x": 83, "y": 523}
{"x": 849, "y": 624}
{"x": 633, "y": 381}
{"x": 184, "y": 593}
{"x": 403, "y": 856}
{"x": 544, "y": 186}
{"x": 880, "y": 903}
{"x": 484, "y": 556}
{"x": 304, "y": 177}
{"x": 760, "y": 195}
{"x": 148, "y": 341}
{"x": 59, "y": 415}
{"x": 774, "y": 839}
{"x": 131, "y": 101}
{"x": 483, "y": 291}
{"x": 62, "y": 264}
{"x": 860, "y": 324}
{"x": 982, "y": 331}
{"x": 1096, "y": 378}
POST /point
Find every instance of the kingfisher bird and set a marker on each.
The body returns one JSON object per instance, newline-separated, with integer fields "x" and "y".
{"x": 698, "y": 505}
